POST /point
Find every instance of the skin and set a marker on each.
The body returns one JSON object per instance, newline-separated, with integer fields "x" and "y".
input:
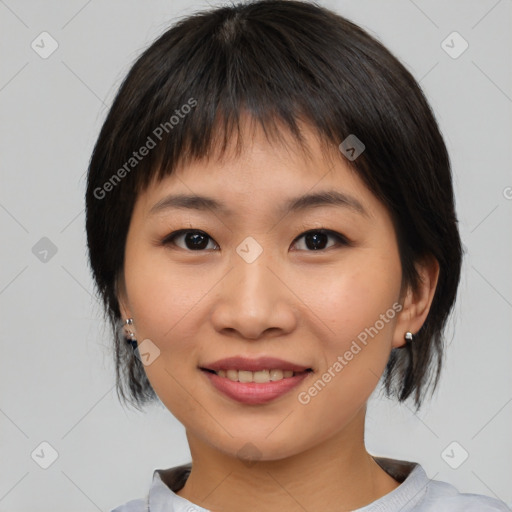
{"x": 292, "y": 302}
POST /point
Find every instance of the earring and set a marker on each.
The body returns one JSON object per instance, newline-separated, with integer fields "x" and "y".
{"x": 409, "y": 337}
{"x": 128, "y": 330}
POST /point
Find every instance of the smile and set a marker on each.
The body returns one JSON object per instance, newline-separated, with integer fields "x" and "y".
{"x": 254, "y": 388}
{"x": 254, "y": 381}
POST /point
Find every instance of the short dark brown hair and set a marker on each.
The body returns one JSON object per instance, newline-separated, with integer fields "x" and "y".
{"x": 287, "y": 61}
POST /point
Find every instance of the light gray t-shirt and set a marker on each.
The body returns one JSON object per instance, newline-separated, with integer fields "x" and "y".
{"x": 416, "y": 492}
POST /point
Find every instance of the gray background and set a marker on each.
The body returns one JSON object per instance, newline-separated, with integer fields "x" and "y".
{"x": 57, "y": 378}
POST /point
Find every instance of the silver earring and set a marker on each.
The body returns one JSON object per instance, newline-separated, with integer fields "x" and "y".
{"x": 408, "y": 337}
{"x": 128, "y": 330}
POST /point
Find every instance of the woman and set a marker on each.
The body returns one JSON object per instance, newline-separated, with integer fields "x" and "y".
{"x": 271, "y": 221}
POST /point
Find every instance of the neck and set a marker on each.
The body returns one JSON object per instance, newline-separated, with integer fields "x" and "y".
{"x": 335, "y": 475}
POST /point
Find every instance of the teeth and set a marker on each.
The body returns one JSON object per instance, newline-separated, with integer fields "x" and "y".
{"x": 232, "y": 374}
{"x": 260, "y": 376}
{"x": 276, "y": 374}
{"x": 244, "y": 376}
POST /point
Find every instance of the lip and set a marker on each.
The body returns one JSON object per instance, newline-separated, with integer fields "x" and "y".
{"x": 253, "y": 365}
{"x": 254, "y": 393}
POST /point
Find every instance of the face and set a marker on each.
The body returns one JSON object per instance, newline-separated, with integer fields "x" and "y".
{"x": 316, "y": 286}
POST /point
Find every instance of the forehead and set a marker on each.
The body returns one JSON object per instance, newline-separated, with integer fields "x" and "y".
{"x": 263, "y": 167}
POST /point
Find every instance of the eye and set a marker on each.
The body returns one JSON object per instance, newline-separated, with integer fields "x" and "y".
{"x": 316, "y": 239}
{"x": 194, "y": 240}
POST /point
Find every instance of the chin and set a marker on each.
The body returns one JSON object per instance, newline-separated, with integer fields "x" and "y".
{"x": 251, "y": 449}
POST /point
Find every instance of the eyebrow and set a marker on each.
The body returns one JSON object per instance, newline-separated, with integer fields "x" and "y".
{"x": 301, "y": 203}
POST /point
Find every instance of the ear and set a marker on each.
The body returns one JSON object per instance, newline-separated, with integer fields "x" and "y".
{"x": 416, "y": 304}
{"x": 120, "y": 288}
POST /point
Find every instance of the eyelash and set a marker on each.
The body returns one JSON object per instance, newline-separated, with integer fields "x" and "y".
{"x": 341, "y": 239}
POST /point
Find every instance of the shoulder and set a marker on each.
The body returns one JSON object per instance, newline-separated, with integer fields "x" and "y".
{"x": 161, "y": 495}
{"x": 418, "y": 493}
{"x": 442, "y": 496}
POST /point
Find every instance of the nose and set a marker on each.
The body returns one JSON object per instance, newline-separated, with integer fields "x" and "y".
{"x": 253, "y": 301}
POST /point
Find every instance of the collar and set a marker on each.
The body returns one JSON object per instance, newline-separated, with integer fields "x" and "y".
{"x": 413, "y": 480}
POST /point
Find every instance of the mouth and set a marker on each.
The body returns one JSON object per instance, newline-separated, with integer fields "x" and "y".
{"x": 254, "y": 381}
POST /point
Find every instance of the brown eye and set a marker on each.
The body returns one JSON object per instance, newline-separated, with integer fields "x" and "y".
{"x": 317, "y": 239}
{"x": 192, "y": 240}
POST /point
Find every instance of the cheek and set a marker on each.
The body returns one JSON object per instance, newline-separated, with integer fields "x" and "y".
{"x": 358, "y": 309}
{"x": 164, "y": 302}
{"x": 161, "y": 294}
{"x": 355, "y": 296}
{"x": 167, "y": 303}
